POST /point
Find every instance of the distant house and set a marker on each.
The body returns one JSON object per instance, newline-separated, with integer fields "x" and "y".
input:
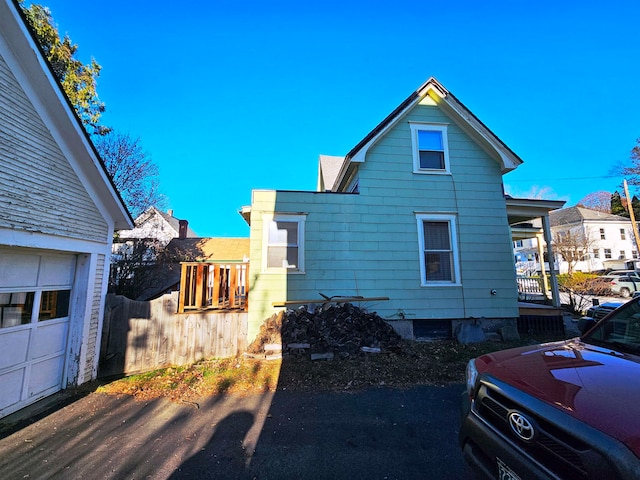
{"x": 530, "y": 249}
{"x": 134, "y": 252}
{"x": 153, "y": 227}
{"x": 158, "y": 225}
{"x": 59, "y": 210}
{"x": 412, "y": 223}
{"x": 608, "y": 240}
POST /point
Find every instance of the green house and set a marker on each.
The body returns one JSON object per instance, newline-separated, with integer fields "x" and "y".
{"x": 412, "y": 223}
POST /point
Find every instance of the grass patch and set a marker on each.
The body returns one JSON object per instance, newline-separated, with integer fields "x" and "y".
{"x": 416, "y": 363}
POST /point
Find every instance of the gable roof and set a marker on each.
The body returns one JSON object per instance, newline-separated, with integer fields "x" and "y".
{"x": 22, "y": 52}
{"x": 574, "y": 215}
{"x": 329, "y": 169}
{"x": 168, "y": 217}
{"x": 463, "y": 117}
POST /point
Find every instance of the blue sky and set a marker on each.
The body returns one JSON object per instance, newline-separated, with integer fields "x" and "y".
{"x": 232, "y": 96}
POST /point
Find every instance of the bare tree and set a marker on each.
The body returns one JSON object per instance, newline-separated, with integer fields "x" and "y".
{"x": 132, "y": 169}
{"x": 600, "y": 201}
{"x": 572, "y": 245}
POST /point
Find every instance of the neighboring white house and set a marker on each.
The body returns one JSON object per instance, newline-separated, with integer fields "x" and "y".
{"x": 154, "y": 227}
{"x": 527, "y": 251}
{"x": 58, "y": 212}
{"x": 158, "y": 225}
{"x": 610, "y": 242}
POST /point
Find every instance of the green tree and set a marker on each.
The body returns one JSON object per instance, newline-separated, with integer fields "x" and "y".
{"x": 78, "y": 80}
{"x": 620, "y": 205}
{"x": 617, "y": 208}
{"x": 134, "y": 173}
{"x": 635, "y": 204}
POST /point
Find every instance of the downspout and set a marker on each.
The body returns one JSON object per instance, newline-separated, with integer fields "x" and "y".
{"x": 555, "y": 292}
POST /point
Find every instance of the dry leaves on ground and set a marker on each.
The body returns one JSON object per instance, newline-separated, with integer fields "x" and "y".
{"x": 414, "y": 363}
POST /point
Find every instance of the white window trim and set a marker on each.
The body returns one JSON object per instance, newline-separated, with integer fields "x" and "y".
{"x": 415, "y": 128}
{"x": 284, "y": 217}
{"x": 451, "y": 219}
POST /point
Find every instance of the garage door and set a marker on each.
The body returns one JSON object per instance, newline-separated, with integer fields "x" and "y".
{"x": 35, "y": 289}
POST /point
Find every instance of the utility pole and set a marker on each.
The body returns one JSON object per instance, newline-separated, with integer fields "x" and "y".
{"x": 632, "y": 216}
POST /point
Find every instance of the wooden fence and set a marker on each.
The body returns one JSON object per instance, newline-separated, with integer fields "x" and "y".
{"x": 143, "y": 336}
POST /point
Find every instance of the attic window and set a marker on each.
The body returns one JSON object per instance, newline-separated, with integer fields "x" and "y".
{"x": 430, "y": 148}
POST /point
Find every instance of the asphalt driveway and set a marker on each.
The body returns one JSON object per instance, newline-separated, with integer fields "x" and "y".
{"x": 376, "y": 434}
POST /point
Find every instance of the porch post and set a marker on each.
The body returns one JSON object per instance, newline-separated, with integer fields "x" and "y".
{"x": 543, "y": 270}
{"x": 555, "y": 291}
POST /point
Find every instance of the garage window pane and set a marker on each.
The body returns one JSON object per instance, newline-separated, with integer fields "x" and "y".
{"x": 54, "y": 304}
{"x": 15, "y": 308}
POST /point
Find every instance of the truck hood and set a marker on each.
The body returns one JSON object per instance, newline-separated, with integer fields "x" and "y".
{"x": 598, "y": 386}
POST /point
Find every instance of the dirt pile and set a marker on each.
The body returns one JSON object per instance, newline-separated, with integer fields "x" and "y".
{"x": 341, "y": 329}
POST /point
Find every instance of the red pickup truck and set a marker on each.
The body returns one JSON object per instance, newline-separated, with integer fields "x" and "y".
{"x": 563, "y": 410}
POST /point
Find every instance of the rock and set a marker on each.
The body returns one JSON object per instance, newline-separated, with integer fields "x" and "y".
{"x": 370, "y": 350}
{"x": 469, "y": 333}
{"x": 322, "y": 356}
{"x": 509, "y": 333}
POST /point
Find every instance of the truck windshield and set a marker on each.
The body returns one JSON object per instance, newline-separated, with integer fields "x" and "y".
{"x": 620, "y": 331}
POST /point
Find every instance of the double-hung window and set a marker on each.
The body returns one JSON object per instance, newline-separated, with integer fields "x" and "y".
{"x": 430, "y": 148}
{"x": 284, "y": 243}
{"x": 438, "y": 249}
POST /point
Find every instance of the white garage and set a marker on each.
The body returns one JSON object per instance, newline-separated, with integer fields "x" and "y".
{"x": 58, "y": 211}
{"x": 35, "y": 292}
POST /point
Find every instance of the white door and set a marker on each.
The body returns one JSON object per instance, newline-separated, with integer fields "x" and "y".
{"x": 35, "y": 288}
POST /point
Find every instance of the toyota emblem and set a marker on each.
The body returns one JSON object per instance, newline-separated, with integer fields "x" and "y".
{"x": 521, "y": 426}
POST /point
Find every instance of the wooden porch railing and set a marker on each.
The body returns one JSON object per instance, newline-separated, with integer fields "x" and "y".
{"x": 209, "y": 286}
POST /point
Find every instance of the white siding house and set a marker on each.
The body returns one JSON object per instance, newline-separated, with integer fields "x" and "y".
{"x": 58, "y": 212}
{"x": 609, "y": 238}
{"x": 157, "y": 225}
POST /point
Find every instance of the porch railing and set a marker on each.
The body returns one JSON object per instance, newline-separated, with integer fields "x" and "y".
{"x": 529, "y": 285}
{"x": 209, "y": 286}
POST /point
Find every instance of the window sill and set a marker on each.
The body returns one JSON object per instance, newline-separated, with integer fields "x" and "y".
{"x": 432, "y": 172}
{"x": 282, "y": 271}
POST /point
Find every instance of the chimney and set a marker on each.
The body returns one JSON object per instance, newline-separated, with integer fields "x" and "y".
{"x": 170, "y": 212}
{"x": 182, "y": 231}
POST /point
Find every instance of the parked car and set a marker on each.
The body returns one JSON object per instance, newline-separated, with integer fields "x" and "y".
{"x": 597, "y": 313}
{"x": 621, "y": 285}
{"x": 562, "y": 410}
{"x": 624, "y": 273}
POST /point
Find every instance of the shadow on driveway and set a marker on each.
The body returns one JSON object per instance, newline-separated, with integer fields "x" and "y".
{"x": 377, "y": 434}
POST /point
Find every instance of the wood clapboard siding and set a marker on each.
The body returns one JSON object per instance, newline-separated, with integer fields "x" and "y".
{"x": 367, "y": 244}
{"x": 89, "y": 372}
{"x": 47, "y": 197}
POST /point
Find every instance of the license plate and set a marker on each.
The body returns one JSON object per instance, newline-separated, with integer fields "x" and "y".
{"x": 504, "y": 472}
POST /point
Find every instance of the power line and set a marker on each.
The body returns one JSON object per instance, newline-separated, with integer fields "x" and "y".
{"x": 558, "y": 179}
